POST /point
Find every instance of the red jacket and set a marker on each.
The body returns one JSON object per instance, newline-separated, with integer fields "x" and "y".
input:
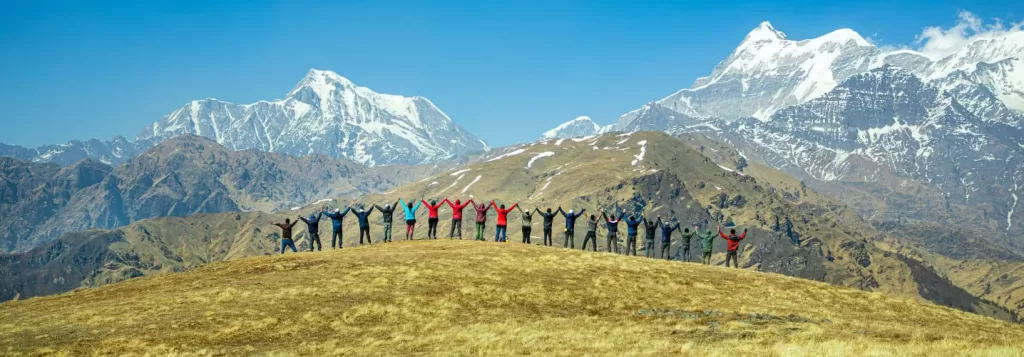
{"x": 481, "y": 212}
{"x": 503, "y": 213}
{"x": 432, "y": 210}
{"x": 734, "y": 242}
{"x": 457, "y": 208}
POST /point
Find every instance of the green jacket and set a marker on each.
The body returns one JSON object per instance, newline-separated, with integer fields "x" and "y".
{"x": 686, "y": 237}
{"x": 527, "y": 217}
{"x": 706, "y": 240}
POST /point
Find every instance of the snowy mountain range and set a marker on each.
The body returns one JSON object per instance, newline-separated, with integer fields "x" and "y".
{"x": 324, "y": 114}
{"x": 838, "y": 109}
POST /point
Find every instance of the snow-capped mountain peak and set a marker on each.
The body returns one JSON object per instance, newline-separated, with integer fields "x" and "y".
{"x": 581, "y": 126}
{"x": 324, "y": 113}
{"x": 764, "y": 32}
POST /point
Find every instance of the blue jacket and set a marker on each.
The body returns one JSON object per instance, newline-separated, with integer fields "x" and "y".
{"x": 409, "y": 214}
{"x": 363, "y": 217}
{"x": 337, "y": 218}
{"x": 666, "y": 231}
{"x": 632, "y": 225}
{"x": 570, "y": 219}
{"x": 313, "y": 225}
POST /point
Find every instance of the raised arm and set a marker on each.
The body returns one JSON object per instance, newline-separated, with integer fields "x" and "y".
{"x": 720, "y": 234}
{"x": 744, "y": 235}
{"x": 378, "y": 208}
{"x": 560, "y": 211}
{"x": 402, "y": 202}
{"x": 514, "y": 205}
{"x": 343, "y": 213}
{"x": 417, "y": 206}
{"x": 304, "y": 219}
{"x": 370, "y": 210}
{"x": 450, "y": 204}
{"x": 581, "y": 212}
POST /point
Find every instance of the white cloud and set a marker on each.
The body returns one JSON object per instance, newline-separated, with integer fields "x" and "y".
{"x": 936, "y": 42}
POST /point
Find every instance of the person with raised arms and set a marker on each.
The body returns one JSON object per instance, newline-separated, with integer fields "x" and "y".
{"x": 650, "y": 231}
{"x": 387, "y": 214}
{"x": 456, "y": 229}
{"x": 685, "y": 249}
{"x": 337, "y": 221}
{"x": 632, "y": 224}
{"x": 570, "y": 226}
{"x": 286, "y": 235}
{"x": 432, "y": 209}
{"x": 527, "y": 223}
{"x": 612, "y": 224}
{"x": 591, "y": 233}
{"x": 500, "y": 233}
{"x": 733, "y": 246}
{"x": 410, "y": 217}
{"x": 481, "y": 219}
{"x": 363, "y": 216}
{"x": 549, "y": 218}
{"x": 707, "y": 241}
{"x": 313, "y": 227}
{"x": 666, "y": 238}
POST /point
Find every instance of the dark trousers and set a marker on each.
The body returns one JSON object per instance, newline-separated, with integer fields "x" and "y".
{"x": 705, "y": 258}
{"x": 591, "y": 237}
{"x": 314, "y": 238}
{"x": 649, "y": 247}
{"x": 387, "y": 231}
{"x": 569, "y": 240}
{"x": 666, "y": 249}
{"x": 526, "y": 234}
{"x": 432, "y": 228}
{"x": 366, "y": 231}
{"x": 613, "y": 242}
{"x": 547, "y": 236}
{"x": 337, "y": 235}
{"x": 456, "y": 230}
{"x": 735, "y": 258}
{"x": 631, "y": 244}
{"x": 288, "y": 243}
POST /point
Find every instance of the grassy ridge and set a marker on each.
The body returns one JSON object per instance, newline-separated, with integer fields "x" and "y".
{"x": 463, "y": 297}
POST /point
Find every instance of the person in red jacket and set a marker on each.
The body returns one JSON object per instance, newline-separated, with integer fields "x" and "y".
{"x": 432, "y": 208}
{"x": 499, "y": 233}
{"x": 456, "y": 217}
{"x": 481, "y": 219}
{"x": 733, "y": 245}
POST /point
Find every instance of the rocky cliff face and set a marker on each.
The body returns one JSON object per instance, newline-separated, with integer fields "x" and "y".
{"x": 180, "y": 177}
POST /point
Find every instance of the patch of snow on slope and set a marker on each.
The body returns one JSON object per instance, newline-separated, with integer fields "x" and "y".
{"x": 538, "y": 156}
{"x": 453, "y": 183}
{"x": 1009, "y": 215}
{"x": 643, "y": 150}
{"x": 731, "y": 170}
{"x": 471, "y": 183}
{"x": 432, "y": 183}
{"x": 559, "y": 142}
{"x": 460, "y": 172}
{"x": 585, "y": 138}
{"x": 513, "y": 153}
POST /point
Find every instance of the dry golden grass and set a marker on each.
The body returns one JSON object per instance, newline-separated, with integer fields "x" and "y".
{"x": 483, "y": 298}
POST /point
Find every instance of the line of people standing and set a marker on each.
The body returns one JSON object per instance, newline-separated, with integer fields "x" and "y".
{"x": 610, "y": 221}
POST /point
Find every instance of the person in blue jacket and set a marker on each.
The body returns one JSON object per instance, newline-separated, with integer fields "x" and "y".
{"x": 363, "y": 216}
{"x": 666, "y": 237}
{"x": 410, "y": 217}
{"x": 570, "y": 226}
{"x": 337, "y": 220}
{"x": 632, "y": 223}
{"x": 612, "y": 225}
{"x": 313, "y": 227}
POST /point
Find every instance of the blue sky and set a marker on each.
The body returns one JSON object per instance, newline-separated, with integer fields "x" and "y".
{"x": 506, "y": 71}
